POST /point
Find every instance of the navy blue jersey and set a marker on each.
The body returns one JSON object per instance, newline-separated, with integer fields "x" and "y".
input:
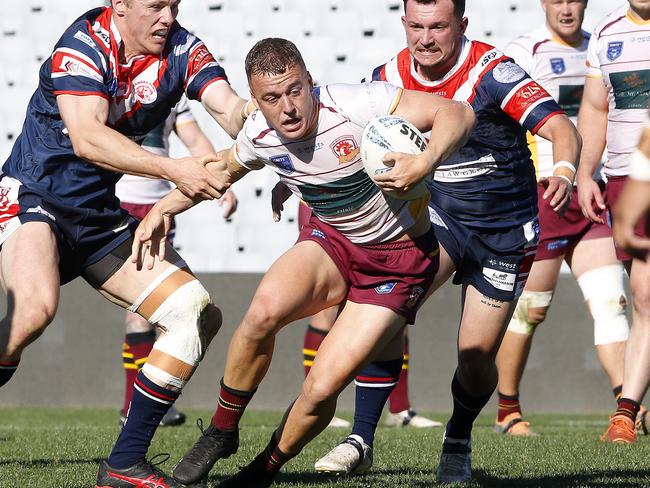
{"x": 490, "y": 182}
{"x": 141, "y": 94}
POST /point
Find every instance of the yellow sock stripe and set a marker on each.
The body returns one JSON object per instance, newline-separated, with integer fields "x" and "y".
{"x": 127, "y": 355}
{"x": 309, "y": 352}
{"x": 307, "y": 363}
{"x": 229, "y": 406}
{"x": 130, "y": 366}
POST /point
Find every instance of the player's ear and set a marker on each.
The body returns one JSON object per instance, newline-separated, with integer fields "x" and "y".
{"x": 310, "y": 81}
{"x": 119, "y": 6}
{"x": 463, "y": 25}
{"x": 254, "y": 100}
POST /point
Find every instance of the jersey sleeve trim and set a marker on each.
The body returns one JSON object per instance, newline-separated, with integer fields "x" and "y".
{"x": 543, "y": 121}
{"x": 209, "y": 84}
{"x": 395, "y": 103}
{"x": 81, "y": 93}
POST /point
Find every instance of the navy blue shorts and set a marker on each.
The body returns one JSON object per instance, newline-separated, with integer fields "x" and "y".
{"x": 496, "y": 263}
{"x": 84, "y": 235}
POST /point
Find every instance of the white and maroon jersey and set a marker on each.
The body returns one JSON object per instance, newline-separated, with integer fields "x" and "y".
{"x": 560, "y": 69}
{"x": 141, "y": 94}
{"x": 619, "y": 53}
{"x": 489, "y": 183}
{"x": 325, "y": 169}
{"x": 140, "y": 190}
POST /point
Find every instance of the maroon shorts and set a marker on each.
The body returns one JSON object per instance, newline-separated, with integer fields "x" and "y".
{"x": 560, "y": 233}
{"x": 139, "y": 210}
{"x": 396, "y": 275}
{"x": 615, "y": 186}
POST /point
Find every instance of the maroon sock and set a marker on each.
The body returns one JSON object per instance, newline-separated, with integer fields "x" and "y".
{"x": 135, "y": 351}
{"x": 230, "y": 408}
{"x": 398, "y": 401}
{"x": 628, "y": 408}
{"x": 507, "y": 404}
{"x": 273, "y": 457}
{"x": 313, "y": 339}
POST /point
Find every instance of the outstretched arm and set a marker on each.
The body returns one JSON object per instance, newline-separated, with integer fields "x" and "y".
{"x": 85, "y": 118}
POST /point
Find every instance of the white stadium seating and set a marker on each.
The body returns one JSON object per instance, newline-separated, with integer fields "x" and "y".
{"x": 342, "y": 41}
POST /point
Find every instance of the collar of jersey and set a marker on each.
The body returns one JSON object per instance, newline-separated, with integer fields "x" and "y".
{"x": 634, "y": 20}
{"x": 464, "y": 53}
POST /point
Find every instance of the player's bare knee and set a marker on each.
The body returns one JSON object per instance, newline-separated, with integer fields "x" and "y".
{"x": 262, "y": 320}
{"x": 33, "y": 319}
{"x": 641, "y": 299}
{"x": 318, "y": 391}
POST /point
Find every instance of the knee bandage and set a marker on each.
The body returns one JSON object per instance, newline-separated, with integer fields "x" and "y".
{"x": 180, "y": 311}
{"x": 604, "y": 293}
{"x": 520, "y": 322}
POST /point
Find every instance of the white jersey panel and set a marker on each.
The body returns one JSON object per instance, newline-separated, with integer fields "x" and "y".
{"x": 325, "y": 169}
{"x": 560, "y": 69}
{"x": 619, "y": 53}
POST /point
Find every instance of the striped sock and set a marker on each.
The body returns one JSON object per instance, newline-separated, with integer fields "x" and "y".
{"x": 273, "y": 457}
{"x": 373, "y": 386}
{"x": 628, "y": 408}
{"x": 466, "y": 409}
{"x": 135, "y": 351}
{"x": 398, "y": 401}
{"x": 313, "y": 339}
{"x": 7, "y": 370}
{"x": 617, "y": 391}
{"x": 508, "y": 404}
{"x": 149, "y": 404}
{"x": 230, "y": 408}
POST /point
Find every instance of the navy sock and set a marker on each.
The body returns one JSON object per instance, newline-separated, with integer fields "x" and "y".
{"x": 373, "y": 387}
{"x": 149, "y": 404}
{"x": 7, "y": 370}
{"x": 466, "y": 409}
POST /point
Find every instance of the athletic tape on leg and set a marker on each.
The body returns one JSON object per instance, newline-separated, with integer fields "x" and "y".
{"x": 520, "y": 322}
{"x": 604, "y": 293}
{"x": 181, "y": 316}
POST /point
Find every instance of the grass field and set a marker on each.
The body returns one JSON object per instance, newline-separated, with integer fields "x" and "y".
{"x": 60, "y": 448}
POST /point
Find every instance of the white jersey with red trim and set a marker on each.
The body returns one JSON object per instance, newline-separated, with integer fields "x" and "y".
{"x": 619, "y": 53}
{"x": 560, "y": 69}
{"x": 490, "y": 182}
{"x": 144, "y": 191}
{"x": 325, "y": 169}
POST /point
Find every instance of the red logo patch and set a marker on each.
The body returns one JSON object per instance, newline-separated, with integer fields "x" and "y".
{"x": 345, "y": 148}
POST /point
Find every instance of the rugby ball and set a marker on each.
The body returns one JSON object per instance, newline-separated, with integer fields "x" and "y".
{"x": 389, "y": 133}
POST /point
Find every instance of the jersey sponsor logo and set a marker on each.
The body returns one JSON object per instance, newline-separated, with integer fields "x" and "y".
{"x": 407, "y": 131}
{"x": 569, "y": 98}
{"x": 346, "y": 149}
{"x": 318, "y": 233}
{"x": 485, "y": 165}
{"x": 559, "y": 244}
{"x": 85, "y": 38}
{"x": 414, "y": 297}
{"x": 102, "y": 34}
{"x": 77, "y": 68}
{"x": 631, "y": 89}
{"x": 614, "y": 50}
{"x": 145, "y": 91}
{"x": 198, "y": 59}
{"x": 558, "y": 66}
{"x": 284, "y": 163}
{"x": 488, "y": 57}
{"x": 500, "y": 279}
{"x": 386, "y": 288}
{"x": 508, "y": 72}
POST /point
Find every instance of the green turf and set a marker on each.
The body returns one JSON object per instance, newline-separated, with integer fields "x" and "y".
{"x": 60, "y": 448}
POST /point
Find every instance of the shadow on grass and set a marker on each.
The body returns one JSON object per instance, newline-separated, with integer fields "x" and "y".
{"x": 41, "y": 463}
{"x": 609, "y": 478}
{"x": 605, "y": 478}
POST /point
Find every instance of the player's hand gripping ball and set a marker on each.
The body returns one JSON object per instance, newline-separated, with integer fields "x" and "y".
{"x": 389, "y": 133}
